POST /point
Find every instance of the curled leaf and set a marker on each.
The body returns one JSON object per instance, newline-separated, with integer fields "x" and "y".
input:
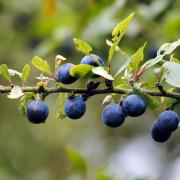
{"x": 168, "y": 48}
{"x": 16, "y": 92}
{"x": 109, "y": 43}
{"x": 108, "y": 99}
{"x": 101, "y": 71}
{"x": 13, "y": 72}
{"x": 171, "y": 73}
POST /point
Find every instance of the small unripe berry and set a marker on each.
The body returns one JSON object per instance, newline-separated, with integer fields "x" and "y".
{"x": 75, "y": 107}
{"x": 134, "y": 105}
{"x": 63, "y": 74}
{"x": 108, "y": 83}
{"x": 37, "y": 111}
{"x": 92, "y": 85}
{"x": 91, "y": 61}
{"x": 113, "y": 116}
{"x": 157, "y": 134}
{"x": 168, "y": 121}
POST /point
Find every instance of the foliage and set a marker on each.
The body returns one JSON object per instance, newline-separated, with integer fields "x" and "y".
{"x": 133, "y": 68}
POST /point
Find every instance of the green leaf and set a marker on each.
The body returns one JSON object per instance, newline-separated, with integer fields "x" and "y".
{"x": 172, "y": 73}
{"x": 25, "y": 72}
{"x": 102, "y": 72}
{"x": 124, "y": 66}
{"x": 82, "y": 46}
{"x": 117, "y": 33}
{"x": 28, "y": 96}
{"x": 60, "y": 105}
{"x": 78, "y": 161}
{"x": 151, "y": 101}
{"x": 22, "y": 109}
{"x": 41, "y": 64}
{"x": 122, "y": 85}
{"x": 5, "y": 72}
{"x": 122, "y": 26}
{"x": 113, "y": 49}
{"x": 138, "y": 58}
{"x": 81, "y": 70}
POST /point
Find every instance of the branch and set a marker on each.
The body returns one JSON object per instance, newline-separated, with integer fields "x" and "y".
{"x": 6, "y": 89}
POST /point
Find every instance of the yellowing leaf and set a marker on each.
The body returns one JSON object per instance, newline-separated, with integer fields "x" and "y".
{"x": 82, "y": 46}
{"x": 118, "y": 33}
{"x": 49, "y": 7}
{"x": 122, "y": 26}
{"x": 80, "y": 70}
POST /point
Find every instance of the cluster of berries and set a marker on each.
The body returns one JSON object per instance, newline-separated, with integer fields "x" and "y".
{"x": 113, "y": 115}
{"x": 63, "y": 74}
{"x": 163, "y": 127}
{"x": 37, "y": 110}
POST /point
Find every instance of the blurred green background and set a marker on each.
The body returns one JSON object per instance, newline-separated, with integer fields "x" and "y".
{"x": 85, "y": 149}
